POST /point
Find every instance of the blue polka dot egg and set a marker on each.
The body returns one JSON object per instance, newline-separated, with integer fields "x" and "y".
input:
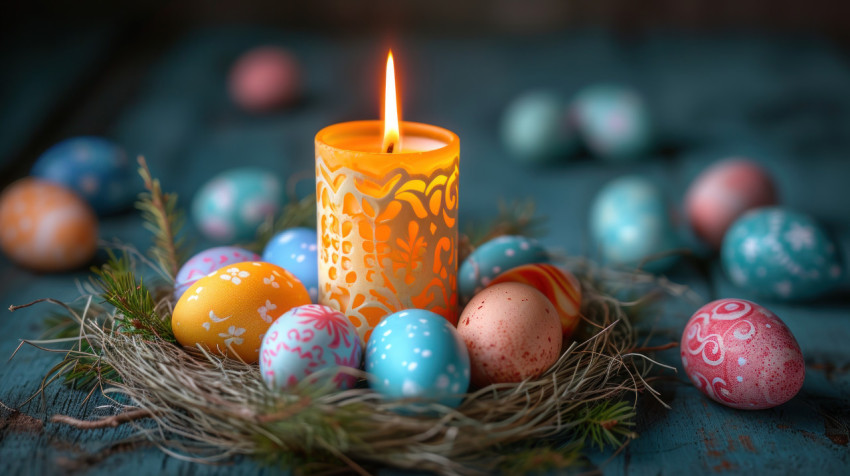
{"x": 782, "y": 254}
{"x": 95, "y": 168}
{"x": 492, "y": 258}
{"x": 418, "y": 354}
{"x": 232, "y": 205}
{"x": 295, "y": 250}
{"x": 613, "y": 121}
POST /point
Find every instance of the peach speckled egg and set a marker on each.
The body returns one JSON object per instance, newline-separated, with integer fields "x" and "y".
{"x": 265, "y": 78}
{"x": 741, "y": 355}
{"x": 234, "y": 307}
{"x": 46, "y": 227}
{"x": 559, "y": 285}
{"x": 512, "y": 331}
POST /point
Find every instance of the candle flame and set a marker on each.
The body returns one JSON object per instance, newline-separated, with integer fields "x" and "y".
{"x": 392, "y": 138}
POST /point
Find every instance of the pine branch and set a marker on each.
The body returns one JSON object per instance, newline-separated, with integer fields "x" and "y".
{"x": 298, "y": 213}
{"x": 515, "y": 218}
{"x": 607, "y": 423}
{"x": 164, "y": 220}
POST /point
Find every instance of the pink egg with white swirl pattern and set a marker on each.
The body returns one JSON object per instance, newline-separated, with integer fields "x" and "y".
{"x": 209, "y": 261}
{"x": 742, "y": 355}
{"x": 305, "y": 340}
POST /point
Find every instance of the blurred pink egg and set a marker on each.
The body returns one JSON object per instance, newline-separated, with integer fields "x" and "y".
{"x": 265, "y": 78}
{"x": 722, "y": 193}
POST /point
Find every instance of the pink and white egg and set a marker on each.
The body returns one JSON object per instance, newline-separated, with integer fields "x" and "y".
{"x": 208, "y": 261}
{"x": 265, "y": 78}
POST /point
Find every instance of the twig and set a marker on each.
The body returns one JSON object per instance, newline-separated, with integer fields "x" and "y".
{"x": 669, "y": 345}
{"x": 110, "y": 421}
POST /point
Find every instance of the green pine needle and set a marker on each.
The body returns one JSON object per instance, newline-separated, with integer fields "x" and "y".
{"x": 514, "y": 218}
{"x": 297, "y": 213}
{"x": 607, "y": 423}
{"x": 164, "y": 220}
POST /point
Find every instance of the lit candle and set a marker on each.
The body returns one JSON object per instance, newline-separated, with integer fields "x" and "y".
{"x": 387, "y": 198}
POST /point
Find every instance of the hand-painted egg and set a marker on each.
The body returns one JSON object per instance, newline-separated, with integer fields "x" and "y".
{"x": 613, "y": 121}
{"x": 295, "y": 250}
{"x": 95, "y": 168}
{"x": 418, "y": 354}
{"x": 631, "y": 226}
{"x": 536, "y": 127}
{"x": 230, "y": 310}
{"x": 779, "y": 253}
{"x": 741, "y": 355}
{"x": 722, "y": 193}
{"x": 207, "y": 261}
{"x": 305, "y": 340}
{"x": 232, "y": 205}
{"x": 560, "y": 286}
{"x": 46, "y": 227}
{"x": 512, "y": 331}
{"x": 265, "y": 78}
{"x": 492, "y": 258}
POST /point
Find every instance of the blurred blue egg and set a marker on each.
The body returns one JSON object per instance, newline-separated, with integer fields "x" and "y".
{"x": 95, "y": 168}
{"x": 295, "y": 251}
{"x": 782, "y": 254}
{"x": 420, "y": 355}
{"x": 492, "y": 258}
{"x": 536, "y": 127}
{"x": 613, "y": 122}
{"x": 630, "y": 222}
{"x": 232, "y": 205}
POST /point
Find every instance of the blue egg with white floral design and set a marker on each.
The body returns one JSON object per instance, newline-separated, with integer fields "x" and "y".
{"x": 418, "y": 354}
{"x": 781, "y": 254}
{"x": 95, "y": 168}
{"x": 492, "y": 258}
{"x": 294, "y": 250}
{"x": 613, "y": 121}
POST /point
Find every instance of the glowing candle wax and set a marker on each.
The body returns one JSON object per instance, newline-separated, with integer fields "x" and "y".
{"x": 387, "y": 201}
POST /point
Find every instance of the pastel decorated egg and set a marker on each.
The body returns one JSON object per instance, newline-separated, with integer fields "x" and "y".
{"x": 207, "y": 261}
{"x": 95, "y": 168}
{"x": 560, "y": 286}
{"x": 295, "y": 250}
{"x": 512, "y": 332}
{"x": 230, "y": 310}
{"x": 778, "y": 253}
{"x": 233, "y": 204}
{"x": 631, "y": 225}
{"x": 418, "y": 354}
{"x": 492, "y": 258}
{"x": 46, "y": 227}
{"x": 742, "y": 355}
{"x": 536, "y": 128}
{"x": 305, "y": 340}
{"x": 265, "y": 78}
{"x": 614, "y": 122}
{"x": 722, "y": 193}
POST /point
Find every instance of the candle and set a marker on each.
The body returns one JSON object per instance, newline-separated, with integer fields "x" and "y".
{"x": 387, "y": 198}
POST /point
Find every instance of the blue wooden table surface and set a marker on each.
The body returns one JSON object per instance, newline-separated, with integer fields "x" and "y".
{"x": 784, "y": 101}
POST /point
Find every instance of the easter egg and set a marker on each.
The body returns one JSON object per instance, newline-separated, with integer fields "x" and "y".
{"x": 418, "y": 354}
{"x": 740, "y": 354}
{"x": 305, "y": 340}
{"x": 722, "y": 193}
{"x": 95, "y": 168}
{"x": 512, "y": 332}
{"x": 265, "y": 78}
{"x": 630, "y": 224}
{"x": 230, "y": 310}
{"x": 778, "y": 253}
{"x": 559, "y": 285}
{"x": 295, "y": 250}
{"x": 613, "y": 121}
{"x": 207, "y": 261}
{"x": 46, "y": 227}
{"x": 491, "y": 258}
{"x": 233, "y": 204}
{"x": 536, "y": 128}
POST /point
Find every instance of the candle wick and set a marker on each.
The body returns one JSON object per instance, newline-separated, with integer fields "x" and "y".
{"x": 390, "y": 148}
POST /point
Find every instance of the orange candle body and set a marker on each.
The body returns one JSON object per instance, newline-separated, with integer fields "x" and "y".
{"x": 387, "y": 222}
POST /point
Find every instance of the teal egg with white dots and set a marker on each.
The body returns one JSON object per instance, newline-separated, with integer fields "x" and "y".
{"x": 295, "y": 250}
{"x": 536, "y": 127}
{"x": 418, "y": 354}
{"x": 613, "y": 121}
{"x": 494, "y": 257}
{"x": 781, "y": 254}
{"x": 232, "y": 205}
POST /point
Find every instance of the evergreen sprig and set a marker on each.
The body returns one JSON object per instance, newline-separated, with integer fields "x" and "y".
{"x": 162, "y": 217}
{"x": 607, "y": 423}
{"x": 296, "y": 213}
{"x": 514, "y": 218}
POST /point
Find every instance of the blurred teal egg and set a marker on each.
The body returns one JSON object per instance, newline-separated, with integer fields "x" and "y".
{"x": 95, "y": 168}
{"x": 492, "y": 258}
{"x": 295, "y": 250}
{"x": 782, "y": 254}
{"x": 536, "y": 128}
{"x": 630, "y": 222}
{"x": 232, "y": 205}
{"x": 420, "y": 355}
{"x": 613, "y": 121}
